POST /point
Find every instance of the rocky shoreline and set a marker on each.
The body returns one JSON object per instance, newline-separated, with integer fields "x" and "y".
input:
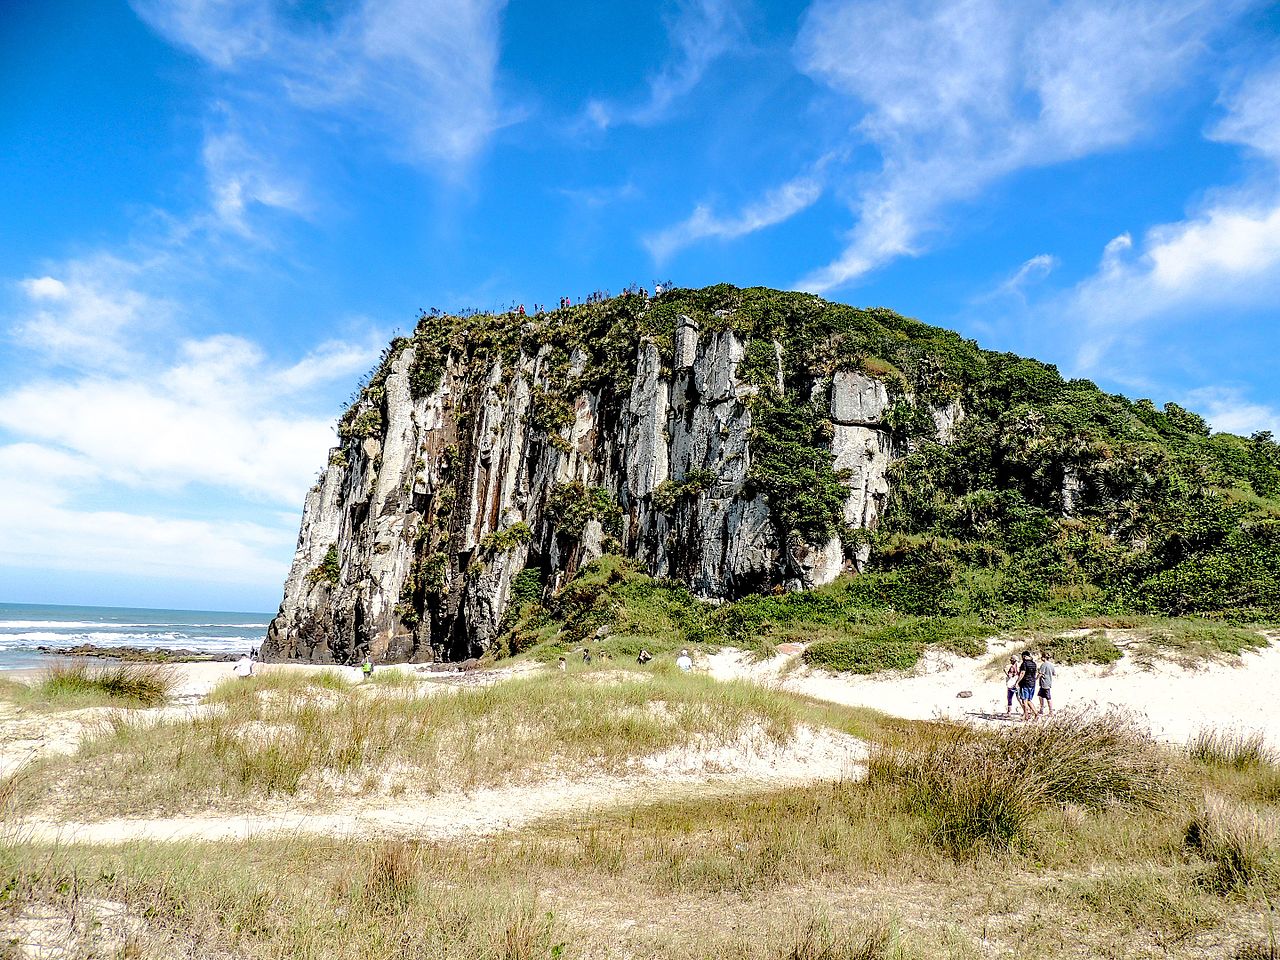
{"x": 138, "y": 654}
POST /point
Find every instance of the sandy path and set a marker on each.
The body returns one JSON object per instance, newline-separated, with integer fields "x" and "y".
{"x": 1172, "y": 701}
{"x": 752, "y": 761}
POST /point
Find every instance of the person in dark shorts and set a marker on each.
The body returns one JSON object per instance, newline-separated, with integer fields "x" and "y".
{"x": 1046, "y": 684}
{"x": 1027, "y": 685}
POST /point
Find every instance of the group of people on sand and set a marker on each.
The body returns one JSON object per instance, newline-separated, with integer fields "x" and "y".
{"x": 1022, "y": 677}
{"x": 644, "y": 658}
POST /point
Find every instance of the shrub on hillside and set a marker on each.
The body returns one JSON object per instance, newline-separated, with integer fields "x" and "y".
{"x": 1092, "y": 647}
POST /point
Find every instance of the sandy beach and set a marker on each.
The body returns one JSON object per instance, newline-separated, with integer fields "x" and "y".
{"x": 1173, "y": 701}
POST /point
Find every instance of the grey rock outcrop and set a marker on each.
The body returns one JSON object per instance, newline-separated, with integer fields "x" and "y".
{"x": 431, "y": 506}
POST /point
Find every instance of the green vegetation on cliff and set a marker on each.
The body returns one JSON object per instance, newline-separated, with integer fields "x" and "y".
{"x": 1050, "y": 498}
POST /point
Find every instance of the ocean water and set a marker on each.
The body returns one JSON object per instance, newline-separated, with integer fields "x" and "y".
{"x": 26, "y": 626}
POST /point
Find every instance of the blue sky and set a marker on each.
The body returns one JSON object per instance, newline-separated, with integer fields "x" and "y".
{"x": 213, "y": 213}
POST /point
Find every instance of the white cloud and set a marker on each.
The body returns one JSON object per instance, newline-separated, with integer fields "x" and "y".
{"x": 240, "y": 178}
{"x": 85, "y": 318}
{"x": 419, "y": 74}
{"x": 170, "y": 416}
{"x": 777, "y": 205}
{"x": 1253, "y": 113}
{"x": 958, "y": 94}
{"x": 701, "y": 32}
{"x": 43, "y": 530}
{"x": 1228, "y": 410}
{"x": 1226, "y": 254}
{"x": 1031, "y": 272}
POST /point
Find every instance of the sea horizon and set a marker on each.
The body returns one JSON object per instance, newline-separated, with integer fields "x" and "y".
{"x": 26, "y": 627}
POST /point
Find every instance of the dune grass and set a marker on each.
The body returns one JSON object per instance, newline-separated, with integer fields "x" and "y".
{"x": 1231, "y": 749}
{"x": 960, "y": 844}
{"x": 75, "y": 686}
{"x": 288, "y": 734}
{"x": 1240, "y": 846}
{"x": 974, "y": 789}
{"x": 1092, "y": 647}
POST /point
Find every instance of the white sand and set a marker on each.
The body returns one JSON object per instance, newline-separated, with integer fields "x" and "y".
{"x": 1172, "y": 701}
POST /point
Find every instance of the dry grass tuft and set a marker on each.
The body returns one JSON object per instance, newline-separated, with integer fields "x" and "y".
{"x": 1241, "y": 847}
{"x": 976, "y": 789}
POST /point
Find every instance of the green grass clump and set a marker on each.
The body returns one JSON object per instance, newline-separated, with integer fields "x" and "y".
{"x": 1231, "y": 749}
{"x": 988, "y": 790}
{"x": 1093, "y": 647}
{"x": 121, "y": 685}
{"x": 897, "y": 646}
{"x": 862, "y": 655}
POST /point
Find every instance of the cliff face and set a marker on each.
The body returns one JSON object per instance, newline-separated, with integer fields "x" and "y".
{"x": 515, "y": 470}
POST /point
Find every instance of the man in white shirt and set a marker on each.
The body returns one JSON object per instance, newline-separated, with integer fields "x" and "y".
{"x": 683, "y": 661}
{"x": 243, "y": 667}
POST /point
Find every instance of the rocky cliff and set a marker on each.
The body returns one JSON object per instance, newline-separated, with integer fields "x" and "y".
{"x": 518, "y": 462}
{"x": 748, "y": 441}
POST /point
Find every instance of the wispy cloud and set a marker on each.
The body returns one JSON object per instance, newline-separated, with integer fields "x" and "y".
{"x": 419, "y": 75}
{"x": 1031, "y": 272}
{"x": 88, "y": 314}
{"x": 240, "y": 178}
{"x": 958, "y": 94}
{"x": 115, "y": 403}
{"x": 1225, "y": 255}
{"x": 1229, "y": 410}
{"x": 700, "y": 32}
{"x": 777, "y": 205}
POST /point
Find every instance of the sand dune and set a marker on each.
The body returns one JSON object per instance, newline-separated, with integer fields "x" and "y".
{"x": 1171, "y": 700}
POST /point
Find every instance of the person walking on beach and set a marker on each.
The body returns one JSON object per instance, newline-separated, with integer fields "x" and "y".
{"x": 366, "y": 668}
{"x": 243, "y": 667}
{"x": 1010, "y": 683}
{"x": 1046, "y": 684}
{"x": 1027, "y": 685}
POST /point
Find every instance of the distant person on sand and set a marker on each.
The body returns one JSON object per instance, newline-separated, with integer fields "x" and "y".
{"x": 1046, "y": 684}
{"x": 366, "y": 668}
{"x": 1027, "y": 685}
{"x": 1010, "y": 683}
{"x": 562, "y": 665}
{"x": 243, "y": 667}
{"x": 683, "y": 661}
{"x": 586, "y": 655}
